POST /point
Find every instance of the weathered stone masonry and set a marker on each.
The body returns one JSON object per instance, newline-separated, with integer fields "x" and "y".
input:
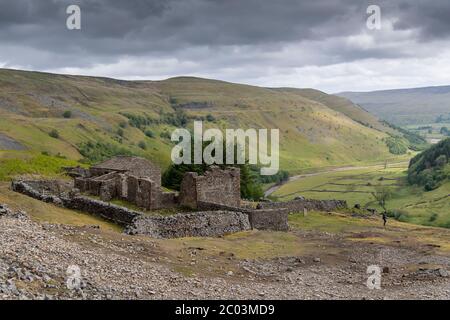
{"x": 216, "y": 186}
{"x": 134, "y": 179}
{"x": 198, "y": 224}
{"x": 120, "y": 215}
{"x": 261, "y": 219}
{"x": 295, "y": 206}
{"x": 215, "y": 194}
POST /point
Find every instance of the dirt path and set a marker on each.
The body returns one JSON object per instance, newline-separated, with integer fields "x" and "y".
{"x": 272, "y": 189}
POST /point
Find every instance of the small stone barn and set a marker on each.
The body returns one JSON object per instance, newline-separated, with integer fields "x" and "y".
{"x": 134, "y": 179}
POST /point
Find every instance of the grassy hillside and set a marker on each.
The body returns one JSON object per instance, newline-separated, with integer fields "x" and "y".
{"x": 431, "y": 168}
{"x": 406, "y": 106}
{"x": 85, "y": 118}
{"x": 344, "y": 106}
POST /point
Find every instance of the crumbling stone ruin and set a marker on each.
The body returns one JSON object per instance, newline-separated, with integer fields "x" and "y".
{"x": 215, "y": 186}
{"x": 215, "y": 197}
{"x": 138, "y": 181}
{"x": 133, "y": 179}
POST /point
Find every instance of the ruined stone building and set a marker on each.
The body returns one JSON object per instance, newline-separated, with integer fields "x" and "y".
{"x": 215, "y": 186}
{"x": 215, "y": 196}
{"x": 133, "y": 179}
{"x": 138, "y": 181}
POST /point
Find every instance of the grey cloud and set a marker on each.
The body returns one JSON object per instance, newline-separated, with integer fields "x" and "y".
{"x": 213, "y": 35}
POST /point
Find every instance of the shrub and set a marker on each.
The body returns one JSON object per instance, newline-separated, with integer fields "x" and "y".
{"x": 433, "y": 217}
{"x": 138, "y": 121}
{"x": 120, "y": 132}
{"x": 67, "y": 114}
{"x": 142, "y": 145}
{"x": 96, "y": 152}
{"x": 149, "y": 133}
{"x": 399, "y": 215}
{"x": 123, "y": 124}
{"x": 54, "y": 134}
{"x": 165, "y": 135}
{"x": 177, "y": 119}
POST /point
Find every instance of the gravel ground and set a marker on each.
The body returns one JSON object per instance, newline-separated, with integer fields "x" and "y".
{"x": 36, "y": 260}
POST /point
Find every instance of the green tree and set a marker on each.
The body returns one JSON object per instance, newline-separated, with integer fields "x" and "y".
{"x": 54, "y": 134}
{"x": 142, "y": 145}
{"x": 250, "y": 187}
{"x": 67, "y": 114}
{"x": 381, "y": 195}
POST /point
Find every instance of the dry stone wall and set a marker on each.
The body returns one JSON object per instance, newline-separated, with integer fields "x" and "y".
{"x": 198, "y": 224}
{"x": 110, "y": 212}
{"x": 261, "y": 219}
{"x": 269, "y": 219}
{"x": 308, "y": 204}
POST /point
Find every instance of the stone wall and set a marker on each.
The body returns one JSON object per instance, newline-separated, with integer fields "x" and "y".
{"x": 261, "y": 219}
{"x": 215, "y": 220}
{"x": 220, "y": 186}
{"x": 308, "y": 204}
{"x": 199, "y": 224}
{"x": 216, "y": 186}
{"x": 110, "y": 212}
{"x": 117, "y": 214}
{"x": 168, "y": 200}
{"x": 269, "y": 219}
{"x": 188, "y": 190}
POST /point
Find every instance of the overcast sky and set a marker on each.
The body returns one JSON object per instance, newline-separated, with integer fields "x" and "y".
{"x": 323, "y": 44}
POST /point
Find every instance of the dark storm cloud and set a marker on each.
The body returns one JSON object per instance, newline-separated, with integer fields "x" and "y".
{"x": 208, "y": 35}
{"x": 431, "y": 18}
{"x": 111, "y": 27}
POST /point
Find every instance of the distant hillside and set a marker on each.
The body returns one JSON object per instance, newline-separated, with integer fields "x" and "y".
{"x": 406, "y": 106}
{"x": 89, "y": 119}
{"x": 344, "y": 106}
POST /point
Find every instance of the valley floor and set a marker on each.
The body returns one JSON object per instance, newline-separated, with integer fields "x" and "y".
{"x": 324, "y": 256}
{"x": 356, "y": 185}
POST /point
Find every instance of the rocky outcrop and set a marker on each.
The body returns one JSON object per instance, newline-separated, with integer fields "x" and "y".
{"x": 199, "y": 224}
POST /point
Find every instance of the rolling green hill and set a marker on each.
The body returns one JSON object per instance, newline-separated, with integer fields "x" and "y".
{"x": 77, "y": 118}
{"x": 344, "y": 106}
